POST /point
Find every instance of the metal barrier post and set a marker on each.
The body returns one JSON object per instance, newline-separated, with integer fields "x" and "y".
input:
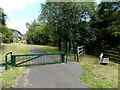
{"x": 6, "y": 61}
{"x": 13, "y": 61}
{"x": 63, "y": 58}
{"x": 67, "y": 51}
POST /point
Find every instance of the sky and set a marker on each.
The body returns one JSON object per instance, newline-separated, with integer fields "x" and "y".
{"x": 21, "y": 11}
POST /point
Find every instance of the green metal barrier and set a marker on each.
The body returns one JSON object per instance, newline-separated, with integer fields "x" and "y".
{"x": 67, "y": 50}
{"x": 25, "y": 58}
{"x": 46, "y": 55}
{"x": 6, "y": 60}
{"x": 76, "y": 58}
{"x": 41, "y": 58}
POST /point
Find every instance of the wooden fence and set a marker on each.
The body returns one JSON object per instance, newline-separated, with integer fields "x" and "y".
{"x": 113, "y": 55}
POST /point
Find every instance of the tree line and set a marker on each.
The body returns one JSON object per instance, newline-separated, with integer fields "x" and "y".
{"x": 6, "y": 35}
{"x": 86, "y": 23}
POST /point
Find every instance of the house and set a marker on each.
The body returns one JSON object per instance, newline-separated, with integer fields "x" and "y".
{"x": 17, "y": 35}
{"x": 24, "y": 38}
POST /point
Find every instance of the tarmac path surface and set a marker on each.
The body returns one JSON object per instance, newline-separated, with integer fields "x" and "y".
{"x": 63, "y": 75}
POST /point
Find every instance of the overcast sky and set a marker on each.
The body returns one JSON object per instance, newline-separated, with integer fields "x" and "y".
{"x": 21, "y": 11}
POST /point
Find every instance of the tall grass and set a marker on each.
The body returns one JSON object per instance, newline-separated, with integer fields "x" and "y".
{"x": 98, "y": 76}
{"x": 8, "y": 77}
{"x": 16, "y": 48}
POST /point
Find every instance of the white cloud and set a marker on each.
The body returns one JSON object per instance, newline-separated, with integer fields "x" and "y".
{"x": 9, "y": 5}
{"x": 98, "y": 1}
{"x": 18, "y": 25}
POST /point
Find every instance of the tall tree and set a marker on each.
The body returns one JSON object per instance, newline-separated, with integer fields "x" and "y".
{"x": 2, "y": 17}
{"x": 64, "y": 17}
{"x": 5, "y": 32}
{"x": 37, "y": 33}
{"x": 109, "y": 24}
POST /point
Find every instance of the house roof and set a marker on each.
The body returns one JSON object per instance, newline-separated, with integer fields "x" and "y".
{"x": 16, "y": 33}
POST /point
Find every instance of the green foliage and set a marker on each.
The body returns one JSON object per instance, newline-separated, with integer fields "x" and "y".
{"x": 114, "y": 26}
{"x": 84, "y": 22}
{"x": 37, "y": 33}
{"x": 107, "y": 25}
{"x": 2, "y": 17}
{"x": 68, "y": 20}
{"x": 7, "y": 34}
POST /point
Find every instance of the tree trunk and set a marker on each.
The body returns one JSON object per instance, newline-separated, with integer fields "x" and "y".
{"x": 71, "y": 46}
{"x": 59, "y": 44}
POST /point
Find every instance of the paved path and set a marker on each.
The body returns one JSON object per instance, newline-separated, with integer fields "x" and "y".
{"x": 51, "y": 76}
{"x": 2, "y": 69}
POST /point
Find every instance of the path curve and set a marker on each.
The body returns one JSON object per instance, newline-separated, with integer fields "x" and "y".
{"x": 51, "y": 76}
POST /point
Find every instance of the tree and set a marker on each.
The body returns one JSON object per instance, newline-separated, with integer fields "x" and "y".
{"x": 64, "y": 17}
{"x": 5, "y": 32}
{"x": 108, "y": 24}
{"x": 2, "y": 17}
{"x": 37, "y": 33}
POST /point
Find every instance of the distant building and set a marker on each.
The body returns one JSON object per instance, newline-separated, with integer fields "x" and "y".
{"x": 17, "y": 35}
{"x": 24, "y": 38}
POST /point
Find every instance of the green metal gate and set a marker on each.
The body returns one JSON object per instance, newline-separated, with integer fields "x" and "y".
{"x": 35, "y": 59}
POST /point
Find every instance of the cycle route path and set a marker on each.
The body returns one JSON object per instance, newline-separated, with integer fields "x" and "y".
{"x": 63, "y": 75}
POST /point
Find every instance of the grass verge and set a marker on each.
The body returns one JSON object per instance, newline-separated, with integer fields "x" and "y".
{"x": 49, "y": 49}
{"x": 16, "y": 48}
{"x": 9, "y": 76}
{"x": 98, "y": 76}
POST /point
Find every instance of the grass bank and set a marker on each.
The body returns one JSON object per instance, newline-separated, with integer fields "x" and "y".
{"x": 16, "y": 48}
{"x": 9, "y": 76}
{"x": 49, "y": 49}
{"x": 98, "y": 76}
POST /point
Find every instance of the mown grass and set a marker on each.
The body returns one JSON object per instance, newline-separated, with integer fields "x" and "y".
{"x": 9, "y": 76}
{"x": 49, "y": 49}
{"x": 98, "y": 76}
{"x": 15, "y": 48}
